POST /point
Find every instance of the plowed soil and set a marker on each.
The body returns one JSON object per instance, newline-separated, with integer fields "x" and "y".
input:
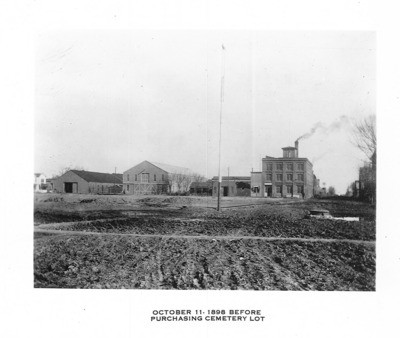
{"x": 209, "y": 261}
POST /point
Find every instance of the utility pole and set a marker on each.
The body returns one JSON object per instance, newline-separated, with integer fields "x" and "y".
{"x": 220, "y": 125}
{"x": 228, "y": 181}
{"x": 115, "y": 172}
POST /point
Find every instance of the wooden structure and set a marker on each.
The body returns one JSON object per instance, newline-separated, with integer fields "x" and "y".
{"x": 88, "y": 182}
{"x": 201, "y": 188}
{"x": 155, "y": 178}
{"x": 232, "y": 186}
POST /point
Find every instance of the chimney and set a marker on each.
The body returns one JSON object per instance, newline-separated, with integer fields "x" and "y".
{"x": 296, "y": 145}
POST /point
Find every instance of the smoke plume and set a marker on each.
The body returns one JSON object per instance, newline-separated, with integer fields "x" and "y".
{"x": 317, "y": 158}
{"x": 320, "y": 127}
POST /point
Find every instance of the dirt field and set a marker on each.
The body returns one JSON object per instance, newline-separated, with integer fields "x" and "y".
{"x": 163, "y": 242}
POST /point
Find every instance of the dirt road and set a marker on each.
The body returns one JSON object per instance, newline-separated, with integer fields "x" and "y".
{"x": 270, "y": 239}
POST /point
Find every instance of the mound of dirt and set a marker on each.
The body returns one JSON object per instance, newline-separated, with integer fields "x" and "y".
{"x": 88, "y": 200}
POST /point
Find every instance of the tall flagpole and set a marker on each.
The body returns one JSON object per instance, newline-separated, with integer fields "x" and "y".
{"x": 220, "y": 125}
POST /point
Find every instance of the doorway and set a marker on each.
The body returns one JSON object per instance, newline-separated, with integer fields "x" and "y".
{"x": 225, "y": 191}
{"x": 68, "y": 187}
{"x": 268, "y": 190}
{"x": 71, "y": 187}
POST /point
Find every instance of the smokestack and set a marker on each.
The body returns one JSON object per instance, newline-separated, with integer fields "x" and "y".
{"x": 296, "y": 145}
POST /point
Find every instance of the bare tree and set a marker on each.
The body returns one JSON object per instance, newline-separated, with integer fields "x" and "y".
{"x": 171, "y": 180}
{"x": 364, "y": 136}
{"x": 365, "y": 140}
{"x": 65, "y": 169}
{"x": 180, "y": 182}
{"x": 187, "y": 181}
{"x": 351, "y": 190}
{"x": 198, "y": 178}
{"x": 176, "y": 182}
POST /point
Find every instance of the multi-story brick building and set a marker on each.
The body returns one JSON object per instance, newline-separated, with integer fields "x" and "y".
{"x": 286, "y": 176}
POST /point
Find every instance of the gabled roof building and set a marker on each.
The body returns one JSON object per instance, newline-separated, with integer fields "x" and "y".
{"x": 156, "y": 178}
{"x": 88, "y": 182}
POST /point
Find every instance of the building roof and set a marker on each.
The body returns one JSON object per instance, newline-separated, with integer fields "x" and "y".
{"x": 172, "y": 169}
{"x": 291, "y": 148}
{"x": 38, "y": 174}
{"x": 207, "y": 184}
{"x": 232, "y": 178}
{"x": 91, "y": 176}
{"x": 288, "y": 159}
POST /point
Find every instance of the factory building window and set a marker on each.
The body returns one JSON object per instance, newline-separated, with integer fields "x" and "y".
{"x": 269, "y": 166}
{"x": 135, "y": 177}
{"x": 127, "y": 187}
{"x": 279, "y": 189}
{"x": 155, "y": 177}
{"x": 268, "y": 177}
{"x": 162, "y": 177}
{"x": 279, "y": 177}
{"x": 279, "y": 166}
{"x": 289, "y": 177}
{"x": 289, "y": 166}
{"x": 300, "y": 177}
{"x": 300, "y": 166}
{"x": 127, "y": 177}
{"x": 299, "y": 189}
{"x": 145, "y": 178}
{"x": 289, "y": 189}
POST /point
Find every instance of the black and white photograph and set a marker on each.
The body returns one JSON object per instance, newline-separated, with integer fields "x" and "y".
{"x": 200, "y": 168}
{"x": 209, "y": 160}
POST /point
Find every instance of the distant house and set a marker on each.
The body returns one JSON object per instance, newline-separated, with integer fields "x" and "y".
{"x": 39, "y": 182}
{"x": 201, "y": 188}
{"x": 156, "y": 178}
{"x": 88, "y": 182}
{"x": 50, "y": 184}
{"x": 232, "y": 186}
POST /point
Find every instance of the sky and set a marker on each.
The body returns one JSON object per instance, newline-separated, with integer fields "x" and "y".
{"x": 109, "y": 99}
